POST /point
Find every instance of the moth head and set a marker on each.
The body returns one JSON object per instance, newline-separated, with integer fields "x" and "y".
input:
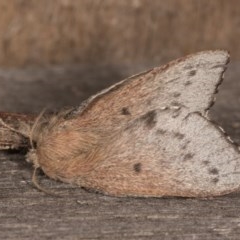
{"x": 32, "y": 158}
{"x": 34, "y": 135}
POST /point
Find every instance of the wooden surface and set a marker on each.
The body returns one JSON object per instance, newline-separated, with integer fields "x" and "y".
{"x": 92, "y": 31}
{"x": 26, "y": 213}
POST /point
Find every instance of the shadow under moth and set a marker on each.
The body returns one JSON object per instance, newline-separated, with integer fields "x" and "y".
{"x": 148, "y": 135}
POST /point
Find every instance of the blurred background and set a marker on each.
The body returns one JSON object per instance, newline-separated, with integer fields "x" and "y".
{"x": 114, "y": 32}
{"x": 58, "y": 53}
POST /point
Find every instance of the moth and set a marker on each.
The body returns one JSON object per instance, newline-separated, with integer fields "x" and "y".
{"x": 148, "y": 135}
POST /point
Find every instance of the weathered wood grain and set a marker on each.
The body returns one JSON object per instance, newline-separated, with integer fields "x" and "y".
{"x": 26, "y": 213}
{"x": 92, "y": 31}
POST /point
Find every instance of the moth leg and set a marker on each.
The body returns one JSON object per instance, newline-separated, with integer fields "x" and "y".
{"x": 39, "y": 187}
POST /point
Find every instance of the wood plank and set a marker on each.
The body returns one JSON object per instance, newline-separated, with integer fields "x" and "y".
{"x": 26, "y": 213}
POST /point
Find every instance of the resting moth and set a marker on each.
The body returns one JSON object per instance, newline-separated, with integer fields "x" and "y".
{"x": 148, "y": 135}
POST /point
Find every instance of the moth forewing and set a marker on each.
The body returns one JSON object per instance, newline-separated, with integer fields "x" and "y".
{"x": 169, "y": 155}
{"x": 147, "y": 135}
{"x": 189, "y": 82}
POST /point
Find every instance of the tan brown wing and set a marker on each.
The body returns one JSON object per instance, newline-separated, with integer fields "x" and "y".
{"x": 168, "y": 153}
{"x": 188, "y": 82}
{"x": 143, "y": 137}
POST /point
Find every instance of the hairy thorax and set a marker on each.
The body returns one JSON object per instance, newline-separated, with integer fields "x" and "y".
{"x": 64, "y": 151}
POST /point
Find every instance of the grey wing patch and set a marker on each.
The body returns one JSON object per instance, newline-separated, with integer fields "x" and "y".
{"x": 188, "y": 82}
{"x": 183, "y": 156}
{"x": 198, "y": 78}
{"x": 163, "y": 147}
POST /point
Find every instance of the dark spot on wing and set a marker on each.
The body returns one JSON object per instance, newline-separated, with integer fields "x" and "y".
{"x": 161, "y": 131}
{"x": 187, "y": 83}
{"x": 175, "y": 103}
{"x": 150, "y": 119}
{"x": 172, "y": 80}
{"x": 179, "y": 135}
{"x": 205, "y": 162}
{"x": 125, "y": 111}
{"x": 137, "y": 167}
{"x": 185, "y": 145}
{"x": 213, "y": 171}
{"x": 215, "y": 180}
{"x": 176, "y": 113}
{"x": 192, "y": 73}
{"x": 176, "y": 94}
{"x": 188, "y": 156}
{"x": 187, "y": 67}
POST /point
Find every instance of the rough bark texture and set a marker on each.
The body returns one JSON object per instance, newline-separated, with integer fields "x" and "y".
{"x": 26, "y": 213}
{"x": 93, "y": 31}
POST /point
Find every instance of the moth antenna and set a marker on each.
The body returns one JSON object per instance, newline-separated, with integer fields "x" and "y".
{"x": 39, "y": 187}
{"x": 34, "y": 127}
{"x": 12, "y": 129}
